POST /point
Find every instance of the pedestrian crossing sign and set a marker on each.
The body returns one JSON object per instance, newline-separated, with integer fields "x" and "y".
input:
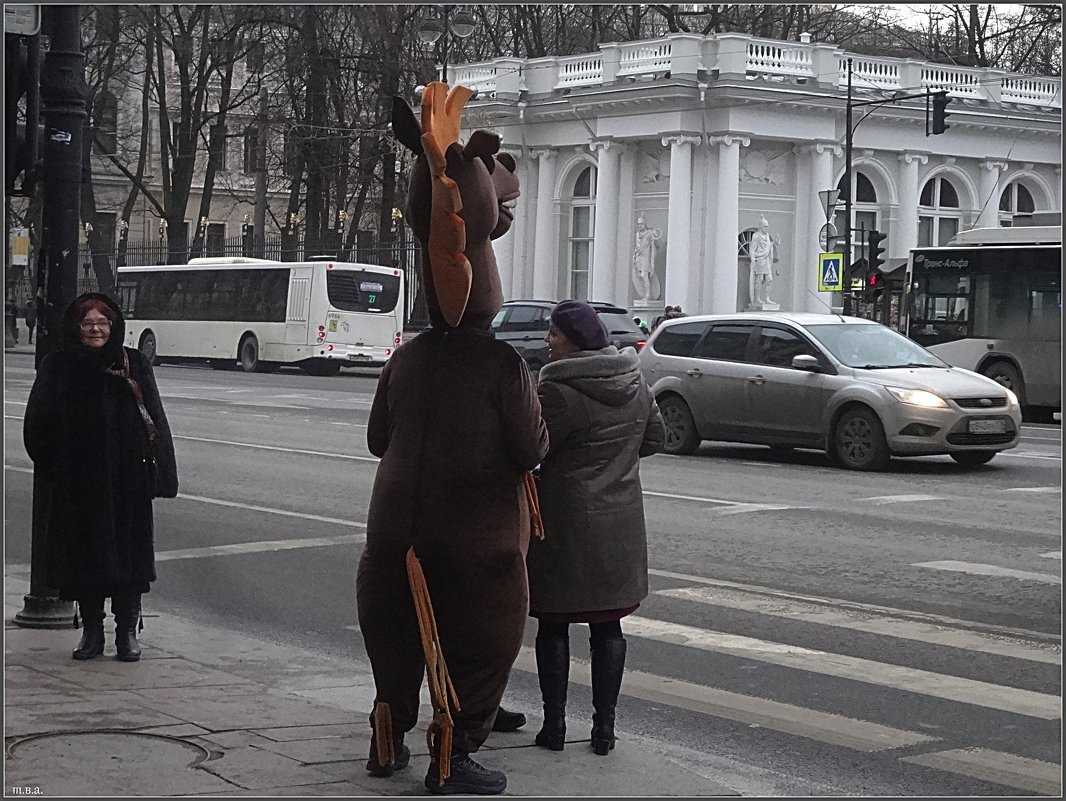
{"x": 830, "y": 272}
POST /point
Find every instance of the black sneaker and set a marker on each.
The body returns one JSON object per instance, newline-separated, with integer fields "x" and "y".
{"x": 467, "y": 778}
{"x": 508, "y": 721}
{"x": 403, "y": 756}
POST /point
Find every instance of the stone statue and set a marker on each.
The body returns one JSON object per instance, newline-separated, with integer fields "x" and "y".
{"x": 761, "y": 252}
{"x": 644, "y": 278}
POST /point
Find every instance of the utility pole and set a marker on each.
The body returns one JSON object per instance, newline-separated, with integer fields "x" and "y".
{"x": 63, "y": 94}
{"x": 847, "y": 199}
{"x": 259, "y": 220}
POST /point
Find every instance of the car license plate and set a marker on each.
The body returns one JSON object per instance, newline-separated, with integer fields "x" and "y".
{"x": 987, "y": 426}
{"x": 358, "y": 357}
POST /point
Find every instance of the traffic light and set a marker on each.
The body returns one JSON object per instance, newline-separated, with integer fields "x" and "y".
{"x": 875, "y": 250}
{"x": 875, "y": 285}
{"x": 940, "y": 103}
{"x": 23, "y": 141}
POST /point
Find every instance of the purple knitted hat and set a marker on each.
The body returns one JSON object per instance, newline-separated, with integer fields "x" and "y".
{"x": 581, "y": 324}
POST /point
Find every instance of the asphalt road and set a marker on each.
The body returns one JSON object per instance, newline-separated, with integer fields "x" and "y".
{"x": 810, "y": 631}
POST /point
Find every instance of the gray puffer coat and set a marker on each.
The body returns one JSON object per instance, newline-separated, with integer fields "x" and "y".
{"x": 601, "y": 419}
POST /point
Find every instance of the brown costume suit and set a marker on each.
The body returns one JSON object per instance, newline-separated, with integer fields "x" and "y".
{"x": 456, "y": 421}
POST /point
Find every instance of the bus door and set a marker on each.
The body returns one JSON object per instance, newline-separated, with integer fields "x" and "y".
{"x": 298, "y": 308}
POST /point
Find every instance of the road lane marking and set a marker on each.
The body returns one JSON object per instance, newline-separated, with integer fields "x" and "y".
{"x": 990, "y": 570}
{"x": 882, "y": 674}
{"x": 866, "y": 622}
{"x": 1028, "y": 456}
{"x": 1032, "y": 489}
{"x": 1052, "y": 555}
{"x": 278, "y": 448}
{"x": 857, "y": 605}
{"x": 734, "y": 507}
{"x": 879, "y": 500}
{"x": 238, "y": 548}
{"x": 858, "y": 735}
{"x": 1010, "y": 770}
{"x": 273, "y": 511}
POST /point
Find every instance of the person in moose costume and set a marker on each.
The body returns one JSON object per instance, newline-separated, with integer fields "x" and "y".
{"x": 457, "y": 424}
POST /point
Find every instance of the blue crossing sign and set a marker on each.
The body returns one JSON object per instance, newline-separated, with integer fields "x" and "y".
{"x": 830, "y": 272}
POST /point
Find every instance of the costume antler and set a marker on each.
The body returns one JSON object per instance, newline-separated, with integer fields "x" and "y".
{"x": 452, "y": 274}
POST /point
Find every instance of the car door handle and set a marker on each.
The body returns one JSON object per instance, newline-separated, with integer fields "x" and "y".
{"x": 757, "y": 380}
{"x": 694, "y": 372}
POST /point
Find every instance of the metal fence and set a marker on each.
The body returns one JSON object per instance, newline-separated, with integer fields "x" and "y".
{"x": 404, "y": 254}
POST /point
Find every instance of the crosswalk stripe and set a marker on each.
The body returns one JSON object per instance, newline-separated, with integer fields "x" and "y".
{"x": 922, "y": 682}
{"x": 858, "y": 735}
{"x": 1052, "y": 555}
{"x": 867, "y": 622}
{"x": 880, "y": 500}
{"x": 1032, "y": 489}
{"x": 996, "y": 766}
{"x": 990, "y": 570}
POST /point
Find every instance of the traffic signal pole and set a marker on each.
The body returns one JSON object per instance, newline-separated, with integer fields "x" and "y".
{"x": 63, "y": 95}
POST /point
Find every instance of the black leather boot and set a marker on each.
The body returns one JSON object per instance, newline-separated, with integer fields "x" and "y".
{"x": 396, "y": 758}
{"x": 608, "y": 664}
{"x": 553, "y": 670}
{"x": 92, "y": 635}
{"x": 508, "y": 721}
{"x": 127, "y": 611}
{"x": 467, "y": 777}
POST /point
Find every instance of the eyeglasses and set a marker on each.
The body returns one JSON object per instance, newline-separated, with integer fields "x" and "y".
{"x": 86, "y": 325}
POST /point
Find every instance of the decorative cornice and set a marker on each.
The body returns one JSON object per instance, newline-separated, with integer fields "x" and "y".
{"x": 517, "y": 151}
{"x": 542, "y": 151}
{"x": 601, "y": 144}
{"x": 908, "y": 158}
{"x": 682, "y": 139}
{"x": 822, "y": 147}
{"x": 992, "y": 165}
{"x": 729, "y": 139}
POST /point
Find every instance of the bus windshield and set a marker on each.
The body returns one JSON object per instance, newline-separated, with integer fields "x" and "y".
{"x": 362, "y": 291}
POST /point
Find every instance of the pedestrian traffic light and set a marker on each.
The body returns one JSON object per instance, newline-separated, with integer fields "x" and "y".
{"x": 875, "y": 285}
{"x": 940, "y": 102}
{"x": 875, "y": 250}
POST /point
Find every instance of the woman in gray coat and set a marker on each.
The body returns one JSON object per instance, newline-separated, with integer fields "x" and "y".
{"x": 592, "y": 565}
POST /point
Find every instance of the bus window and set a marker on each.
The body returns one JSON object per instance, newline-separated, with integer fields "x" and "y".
{"x": 359, "y": 291}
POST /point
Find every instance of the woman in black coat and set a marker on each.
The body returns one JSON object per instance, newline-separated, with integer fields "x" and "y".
{"x": 592, "y": 565}
{"x": 101, "y": 454}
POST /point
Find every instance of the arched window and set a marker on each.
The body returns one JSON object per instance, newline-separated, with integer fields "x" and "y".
{"x": 1016, "y": 199}
{"x": 582, "y": 226}
{"x": 938, "y": 212}
{"x": 864, "y": 211}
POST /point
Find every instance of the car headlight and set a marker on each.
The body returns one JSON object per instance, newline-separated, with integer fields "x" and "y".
{"x": 1012, "y": 399}
{"x": 918, "y": 397}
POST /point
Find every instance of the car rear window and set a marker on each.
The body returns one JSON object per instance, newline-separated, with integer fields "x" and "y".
{"x": 618, "y": 322}
{"x": 679, "y": 340}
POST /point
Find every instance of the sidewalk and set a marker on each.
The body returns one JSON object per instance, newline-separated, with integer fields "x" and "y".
{"x": 212, "y": 712}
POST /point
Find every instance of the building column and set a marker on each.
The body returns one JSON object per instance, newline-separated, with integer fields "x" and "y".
{"x": 605, "y": 234}
{"x": 988, "y": 214}
{"x": 805, "y": 294}
{"x": 507, "y": 247}
{"x": 679, "y": 219}
{"x": 905, "y": 235}
{"x": 726, "y": 224}
{"x": 1058, "y": 187}
{"x": 623, "y": 246}
{"x": 545, "y": 243}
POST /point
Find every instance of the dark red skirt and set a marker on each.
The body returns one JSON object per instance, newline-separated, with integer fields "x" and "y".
{"x": 595, "y": 616}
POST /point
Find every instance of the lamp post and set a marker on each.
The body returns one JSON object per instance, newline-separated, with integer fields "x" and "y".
{"x": 437, "y": 28}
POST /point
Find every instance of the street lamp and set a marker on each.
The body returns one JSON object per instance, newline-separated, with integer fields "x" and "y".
{"x": 436, "y": 28}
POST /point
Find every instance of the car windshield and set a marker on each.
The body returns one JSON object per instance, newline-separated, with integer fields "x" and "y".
{"x": 872, "y": 347}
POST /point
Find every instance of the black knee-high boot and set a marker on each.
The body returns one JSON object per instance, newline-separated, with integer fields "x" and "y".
{"x": 608, "y": 664}
{"x": 92, "y": 621}
{"x": 553, "y": 670}
{"x": 127, "y": 611}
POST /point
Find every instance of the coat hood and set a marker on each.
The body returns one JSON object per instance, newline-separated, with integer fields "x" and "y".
{"x": 607, "y": 375}
{"x": 70, "y": 340}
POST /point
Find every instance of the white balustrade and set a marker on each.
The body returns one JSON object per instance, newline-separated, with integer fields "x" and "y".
{"x": 481, "y": 77}
{"x": 776, "y": 58}
{"x": 958, "y": 81}
{"x": 1032, "y": 90}
{"x": 869, "y": 73}
{"x": 644, "y": 58}
{"x": 580, "y": 71}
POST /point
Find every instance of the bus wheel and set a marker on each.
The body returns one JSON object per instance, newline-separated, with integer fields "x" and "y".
{"x": 1007, "y": 374}
{"x": 250, "y": 355}
{"x": 148, "y": 349}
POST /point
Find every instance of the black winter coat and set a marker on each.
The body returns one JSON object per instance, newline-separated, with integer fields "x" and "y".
{"x": 85, "y": 436}
{"x": 601, "y": 419}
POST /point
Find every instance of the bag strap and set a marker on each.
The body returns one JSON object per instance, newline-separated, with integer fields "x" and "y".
{"x": 149, "y": 425}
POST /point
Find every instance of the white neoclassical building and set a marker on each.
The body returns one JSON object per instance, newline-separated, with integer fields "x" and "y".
{"x": 703, "y": 137}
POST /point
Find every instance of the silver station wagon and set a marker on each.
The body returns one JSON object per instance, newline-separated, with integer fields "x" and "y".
{"x": 853, "y": 388}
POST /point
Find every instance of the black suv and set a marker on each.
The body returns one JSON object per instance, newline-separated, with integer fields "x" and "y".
{"x": 524, "y": 324}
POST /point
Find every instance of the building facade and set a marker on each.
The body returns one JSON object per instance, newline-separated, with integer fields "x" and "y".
{"x": 648, "y": 168}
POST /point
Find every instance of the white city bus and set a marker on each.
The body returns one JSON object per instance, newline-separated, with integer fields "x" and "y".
{"x": 991, "y": 301}
{"x": 262, "y": 314}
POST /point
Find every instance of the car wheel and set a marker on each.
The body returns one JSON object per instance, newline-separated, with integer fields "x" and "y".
{"x": 148, "y": 348}
{"x": 1006, "y": 374}
{"x": 681, "y": 435}
{"x": 250, "y": 355}
{"x": 973, "y": 458}
{"x": 859, "y": 441}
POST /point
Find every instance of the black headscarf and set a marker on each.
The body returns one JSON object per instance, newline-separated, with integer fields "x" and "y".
{"x": 70, "y": 340}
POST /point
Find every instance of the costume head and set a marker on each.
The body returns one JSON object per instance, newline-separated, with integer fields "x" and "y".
{"x": 460, "y": 198}
{"x": 581, "y": 324}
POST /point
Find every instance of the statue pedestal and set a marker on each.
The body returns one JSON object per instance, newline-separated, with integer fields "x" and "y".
{"x": 645, "y": 303}
{"x": 763, "y": 307}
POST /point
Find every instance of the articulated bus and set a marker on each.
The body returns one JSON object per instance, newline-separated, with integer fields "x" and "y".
{"x": 261, "y": 314}
{"x": 991, "y": 301}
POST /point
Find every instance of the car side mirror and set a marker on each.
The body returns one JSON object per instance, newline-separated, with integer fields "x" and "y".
{"x": 808, "y": 363}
